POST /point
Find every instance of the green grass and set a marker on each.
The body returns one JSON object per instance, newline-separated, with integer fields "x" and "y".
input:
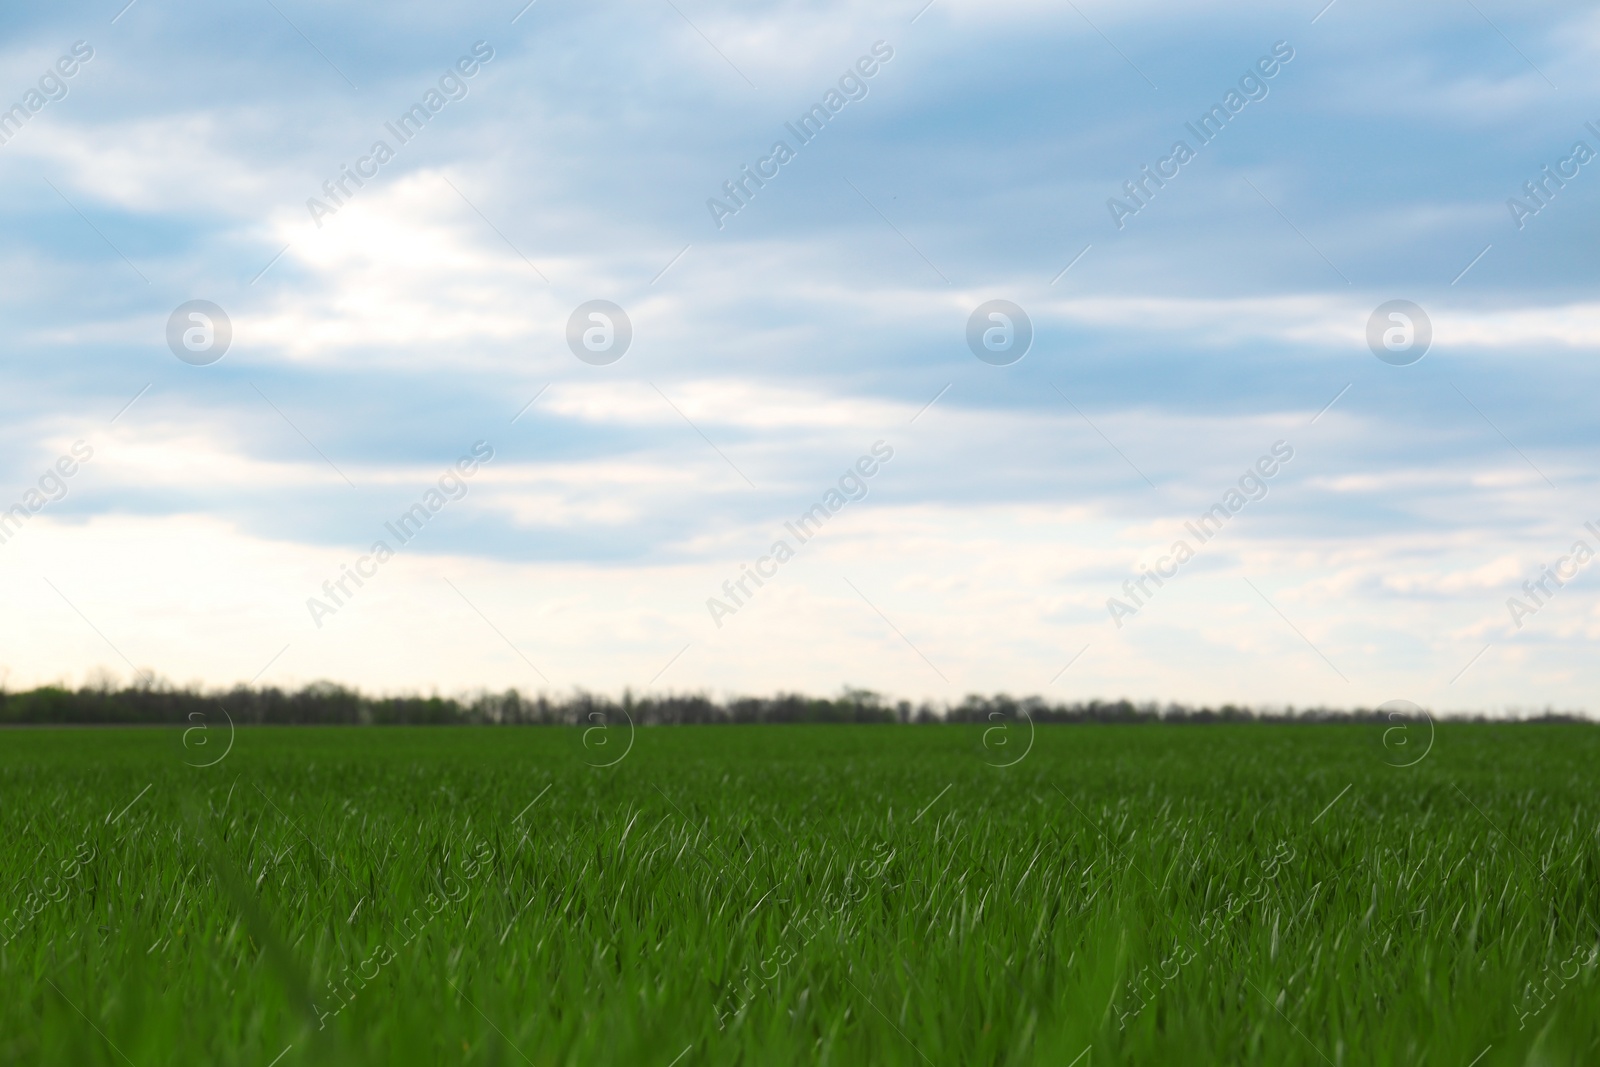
{"x": 794, "y": 894}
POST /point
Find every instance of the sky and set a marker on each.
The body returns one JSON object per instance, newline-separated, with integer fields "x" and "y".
{"x": 1183, "y": 332}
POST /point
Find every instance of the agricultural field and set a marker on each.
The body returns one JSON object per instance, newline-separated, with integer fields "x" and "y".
{"x": 920, "y": 895}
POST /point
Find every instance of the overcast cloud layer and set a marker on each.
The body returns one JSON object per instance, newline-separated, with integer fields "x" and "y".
{"x": 1181, "y": 335}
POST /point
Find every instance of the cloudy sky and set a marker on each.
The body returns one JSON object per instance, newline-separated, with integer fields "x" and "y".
{"x": 1180, "y": 335}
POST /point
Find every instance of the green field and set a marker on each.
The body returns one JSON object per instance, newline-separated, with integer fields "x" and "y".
{"x": 1238, "y": 894}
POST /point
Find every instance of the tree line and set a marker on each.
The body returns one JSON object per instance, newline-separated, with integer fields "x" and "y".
{"x": 325, "y": 703}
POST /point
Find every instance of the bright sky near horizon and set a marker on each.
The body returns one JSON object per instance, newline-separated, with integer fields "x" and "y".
{"x": 297, "y": 292}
